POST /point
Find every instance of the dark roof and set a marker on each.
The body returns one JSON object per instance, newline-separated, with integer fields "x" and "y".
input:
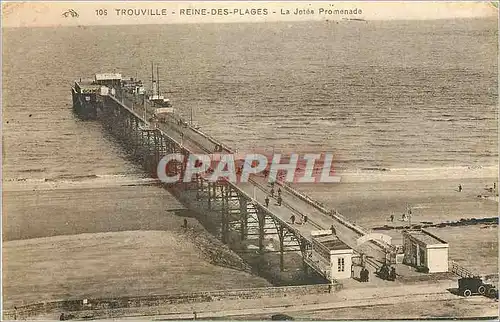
{"x": 86, "y": 81}
{"x": 426, "y": 237}
{"x": 332, "y": 242}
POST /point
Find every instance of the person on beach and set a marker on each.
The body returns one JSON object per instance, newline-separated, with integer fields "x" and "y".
{"x": 272, "y": 192}
{"x": 185, "y": 224}
{"x": 333, "y": 230}
{"x": 279, "y": 200}
{"x": 267, "y": 201}
{"x": 279, "y": 191}
{"x": 292, "y": 219}
{"x": 403, "y": 217}
{"x": 459, "y": 188}
{"x": 392, "y": 218}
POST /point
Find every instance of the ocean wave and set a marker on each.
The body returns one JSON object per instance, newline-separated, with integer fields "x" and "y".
{"x": 72, "y": 177}
{"x": 34, "y": 170}
{"x": 374, "y": 169}
{"x": 84, "y": 181}
{"x": 373, "y": 174}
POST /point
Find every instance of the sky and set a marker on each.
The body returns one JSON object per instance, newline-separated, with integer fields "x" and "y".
{"x": 44, "y": 14}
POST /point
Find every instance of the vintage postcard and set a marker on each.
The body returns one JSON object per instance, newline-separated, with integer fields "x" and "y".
{"x": 249, "y": 160}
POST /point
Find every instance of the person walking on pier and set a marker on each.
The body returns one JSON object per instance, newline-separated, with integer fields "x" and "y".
{"x": 267, "y": 201}
{"x": 279, "y": 192}
{"x": 272, "y": 192}
{"x": 292, "y": 219}
{"x": 279, "y": 200}
{"x": 333, "y": 230}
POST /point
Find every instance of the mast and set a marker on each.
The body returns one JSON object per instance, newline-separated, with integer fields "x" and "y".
{"x": 144, "y": 105}
{"x": 158, "y": 80}
{"x": 152, "y": 78}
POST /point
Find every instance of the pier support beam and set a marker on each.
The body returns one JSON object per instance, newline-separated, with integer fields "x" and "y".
{"x": 225, "y": 212}
{"x": 303, "y": 250}
{"x": 281, "y": 237}
{"x": 262, "y": 221}
{"x": 243, "y": 217}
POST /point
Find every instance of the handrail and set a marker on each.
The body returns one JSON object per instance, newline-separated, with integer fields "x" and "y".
{"x": 460, "y": 270}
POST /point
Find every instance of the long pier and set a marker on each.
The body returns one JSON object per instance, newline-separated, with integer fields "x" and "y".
{"x": 241, "y": 213}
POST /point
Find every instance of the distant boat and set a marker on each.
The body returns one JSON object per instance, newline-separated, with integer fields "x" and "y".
{"x": 355, "y": 19}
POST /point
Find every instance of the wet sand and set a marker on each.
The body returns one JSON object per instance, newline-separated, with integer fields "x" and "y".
{"x": 53, "y": 212}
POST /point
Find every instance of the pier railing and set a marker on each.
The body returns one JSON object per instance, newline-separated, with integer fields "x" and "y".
{"x": 460, "y": 270}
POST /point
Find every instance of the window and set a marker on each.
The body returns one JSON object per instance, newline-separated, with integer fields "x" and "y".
{"x": 341, "y": 266}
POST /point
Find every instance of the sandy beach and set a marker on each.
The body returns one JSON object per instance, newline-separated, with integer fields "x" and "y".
{"x": 370, "y": 205}
{"x": 90, "y": 241}
{"x": 115, "y": 265}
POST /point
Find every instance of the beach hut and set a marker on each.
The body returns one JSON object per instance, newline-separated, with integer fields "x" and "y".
{"x": 425, "y": 251}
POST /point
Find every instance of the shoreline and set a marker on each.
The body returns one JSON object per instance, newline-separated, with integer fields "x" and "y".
{"x": 369, "y": 174}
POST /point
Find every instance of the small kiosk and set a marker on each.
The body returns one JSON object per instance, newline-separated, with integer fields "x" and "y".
{"x": 332, "y": 256}
{"x": 425, "y": 251}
